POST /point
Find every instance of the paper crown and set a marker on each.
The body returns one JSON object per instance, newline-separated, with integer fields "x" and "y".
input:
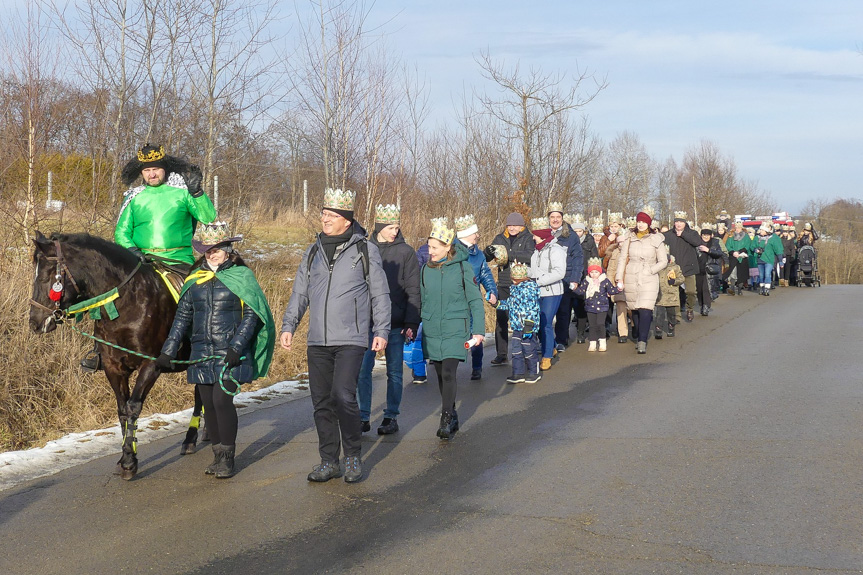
{"x": 443, "y": 220}
{"x": 150, "y": 153}
{"x": 723, "y": 216}
{"x": 615, "y": 218}
{"x": 465, "y": 226}
{"x": 707, "y": 226}
{"x": 631, "y": 221}
{"x": 567, "y": 218}
{"x": 214, "y": 234}
{"x": 596, "y": 226}
{"x": 578, "y": 218}
{"x": 649, "y": 210}
{"x": 387, "y": 214}
{"x": 441, "y": 232}
{"x": 339, "y": 199}
{"x": 554, "y": 207}
{"x": 680, "y": 216}
{"x": 518, "y": 271}
{"x": 539, "y": 223}
{"x": 501, "y": 256}
{"x": 691, "y": 224}
{"x": 594, "y": 262}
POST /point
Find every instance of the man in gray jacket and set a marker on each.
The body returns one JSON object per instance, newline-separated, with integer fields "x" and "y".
{"x": 341, "y": 282}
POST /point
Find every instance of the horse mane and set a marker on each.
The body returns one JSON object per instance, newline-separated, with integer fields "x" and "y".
{"x": 112, "y": 252}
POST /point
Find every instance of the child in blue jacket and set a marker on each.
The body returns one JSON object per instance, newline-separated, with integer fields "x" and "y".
{"x": 523, "y": 307}
{"x": 596, "y": 290}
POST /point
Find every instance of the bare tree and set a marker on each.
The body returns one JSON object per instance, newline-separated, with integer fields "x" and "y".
{"x": 529, "y": 104}
{"x": 628, "y": 174}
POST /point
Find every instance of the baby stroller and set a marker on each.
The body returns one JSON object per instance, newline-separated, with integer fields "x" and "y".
{"x": 807, "y": 267}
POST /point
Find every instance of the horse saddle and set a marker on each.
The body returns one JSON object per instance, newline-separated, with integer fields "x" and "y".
{"x": 172, "y": 273}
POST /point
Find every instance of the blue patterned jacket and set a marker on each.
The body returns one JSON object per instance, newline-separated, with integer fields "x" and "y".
{"x": 522, "y": 304}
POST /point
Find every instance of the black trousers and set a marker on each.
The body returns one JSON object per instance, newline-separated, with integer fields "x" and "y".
{"x": 563, "y": 317}
{"x": 702, "y": 289}
{"x": 641, "y": 320}
{"x": 501, "y": 332}
{"x": 597, "y": 325}
{"x": 447, "y": 382}
{"x": 742, "y": 271}
{"x": 220, "y": 413}
{"x": 333, "y": 373}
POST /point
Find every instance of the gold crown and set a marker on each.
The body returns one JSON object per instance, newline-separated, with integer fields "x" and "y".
{"x": 567, "y": 218}
{"x": 518, "y": 271}
{"x": 615, "y": 218}
{"x": 596, "y": 226}
{"x": 707, "y": 226}
{"x": 680, "y": 215}
{"x": 501, "y": 256}
{"x": 539, "y": 223}
{"x": 555, "y": 207}
{"x": 441, "y": 232}
{"x": 464, "y": 222}
{"x": 594, "y": 262}
{"x": 339, "y": 199}
{"x": 443, "y": 220}
{"x": 630, "y": 222}
{"x": 649, "y": 210}
{"x": 153, "y": 155}
{"x": 578, "y": 218}
{"x": 214, "y": 233}
{"x": 387, "y": 214}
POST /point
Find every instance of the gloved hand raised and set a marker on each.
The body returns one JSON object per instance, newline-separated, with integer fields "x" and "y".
{"x": 193, "y": 181}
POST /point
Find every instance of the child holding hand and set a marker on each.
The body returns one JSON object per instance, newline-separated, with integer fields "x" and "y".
{"x": 523, "y": 307}
{"x": 596, "y": 290}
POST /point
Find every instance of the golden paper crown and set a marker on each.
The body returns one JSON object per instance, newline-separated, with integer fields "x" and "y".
{"x": 567, "y": 218}
{"x": 464, "y": 222}
{"x": 707, "y": 226}
{"x": 443, "y": 220}
{"x": 680, "y": 215}
{"x": 154, "y": 155}
{"x": 615, "y": 218}
{"x": 649, "y": 210}
{"x": 441, "y": 232}
{"x": 594, "y": 262}
{"x": 631, "y": 221}
{"x": 554, "y": 207}
{"x": 539, "y": 223}
{"x": 596, "y": 226}
{"x": 578, "y": 218}
{"x": 501, "y": 256}
{"x": 339, "y": 199}
{"x": 518, "y": 271}
{"x": 387, "y": 214}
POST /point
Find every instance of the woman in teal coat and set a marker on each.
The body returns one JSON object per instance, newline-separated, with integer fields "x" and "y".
{"x": 768, "y": 248}
{"x": 738, "y": 244}
{"x": 451, "y": 303}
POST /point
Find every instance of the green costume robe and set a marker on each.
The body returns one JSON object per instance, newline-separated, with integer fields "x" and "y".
{"x": 161, "y": 220}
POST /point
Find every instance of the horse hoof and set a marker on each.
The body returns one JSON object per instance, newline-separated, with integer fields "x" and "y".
{"x": 187, "y": 449}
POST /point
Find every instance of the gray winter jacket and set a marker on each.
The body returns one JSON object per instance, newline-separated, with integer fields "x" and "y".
{"x": 343, "y": 306}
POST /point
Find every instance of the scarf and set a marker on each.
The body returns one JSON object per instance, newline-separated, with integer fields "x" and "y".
{"x": 594, "y": 285}
{"x": 546, "y": 237}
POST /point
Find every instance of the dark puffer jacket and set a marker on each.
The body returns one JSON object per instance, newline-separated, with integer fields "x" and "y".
{"x": 683, "y": 248}
{"x": 519, "y": 247}
{"x": 403, "y": 276}
{"x": 219, "y": 320}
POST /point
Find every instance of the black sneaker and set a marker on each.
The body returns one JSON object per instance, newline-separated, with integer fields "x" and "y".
{"x": 499, "y": 360}
{"x": 622, "y": 339}
{"x": 533, "y": 378}
{"x": 560, "y": 348}
{"x": 388, "y": 426}
{"x": 516, "y": 378}
{"x": 476, "y": 374}
{"x": 353, "y": 469}
{"x": 324, "y": 472}
{"x": 580, "y": 339}
{"x": 366, "y": 426}
{"x": 419, "y": 379}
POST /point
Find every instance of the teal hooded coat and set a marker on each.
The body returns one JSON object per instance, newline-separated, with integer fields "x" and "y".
{"x": 451, "y": 303}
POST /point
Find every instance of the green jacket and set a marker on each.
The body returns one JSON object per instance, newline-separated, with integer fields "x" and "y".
{"x": 773, "y": 248}
{"x": 161, "y": 220}
{"x": 451, "y": 305}
{"x": 743, "y": 244}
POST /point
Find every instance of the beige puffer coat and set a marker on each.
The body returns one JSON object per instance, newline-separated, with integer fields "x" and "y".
{"x": 643, "y": 259}
{"x": 613, "y": 261}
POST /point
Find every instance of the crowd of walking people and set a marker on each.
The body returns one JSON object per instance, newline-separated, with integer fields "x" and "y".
{"x": 366, "y": 293}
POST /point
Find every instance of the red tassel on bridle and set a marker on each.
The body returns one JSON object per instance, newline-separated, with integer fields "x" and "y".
{"x": 56, "y": 291}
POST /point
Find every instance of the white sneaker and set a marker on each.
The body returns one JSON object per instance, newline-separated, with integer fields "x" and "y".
{"x": 592, "y": 346}
{"x": 602, "y": 345}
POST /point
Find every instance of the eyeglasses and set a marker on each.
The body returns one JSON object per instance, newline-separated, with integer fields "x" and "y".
{"x": 329, "y": 215}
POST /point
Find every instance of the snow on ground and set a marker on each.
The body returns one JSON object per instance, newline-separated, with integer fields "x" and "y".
{"x": 76, "y": 448}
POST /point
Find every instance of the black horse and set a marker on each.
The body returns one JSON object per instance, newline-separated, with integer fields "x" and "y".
{"x": 75, "y": 268}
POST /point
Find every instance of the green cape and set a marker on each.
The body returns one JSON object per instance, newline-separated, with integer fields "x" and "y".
{"x": 241, "y": 281}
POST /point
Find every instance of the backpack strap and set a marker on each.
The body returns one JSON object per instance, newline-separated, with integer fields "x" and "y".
{"x": 364, "y": 256}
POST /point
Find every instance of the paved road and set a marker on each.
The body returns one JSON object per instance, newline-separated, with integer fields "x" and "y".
{"x": 733, "y": 448}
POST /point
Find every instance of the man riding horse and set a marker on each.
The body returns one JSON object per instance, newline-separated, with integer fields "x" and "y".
{"x": 157, "y": 219}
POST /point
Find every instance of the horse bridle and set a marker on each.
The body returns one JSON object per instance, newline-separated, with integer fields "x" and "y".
{"x": 60, "y": 276}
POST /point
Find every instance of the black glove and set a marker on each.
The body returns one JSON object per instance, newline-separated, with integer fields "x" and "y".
{"x": 232, "y": 358}
{"x": 139, "y": 254}
{"x": 671, "y": 281}
{"x": 489, "y": 251}
{"x": 193, "y": 181}
{"x": 164, "y": 363}
{"x": 410, "y": 331}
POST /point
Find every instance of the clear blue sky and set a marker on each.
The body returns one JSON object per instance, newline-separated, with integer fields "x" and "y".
{"x": 777, "y": 85}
